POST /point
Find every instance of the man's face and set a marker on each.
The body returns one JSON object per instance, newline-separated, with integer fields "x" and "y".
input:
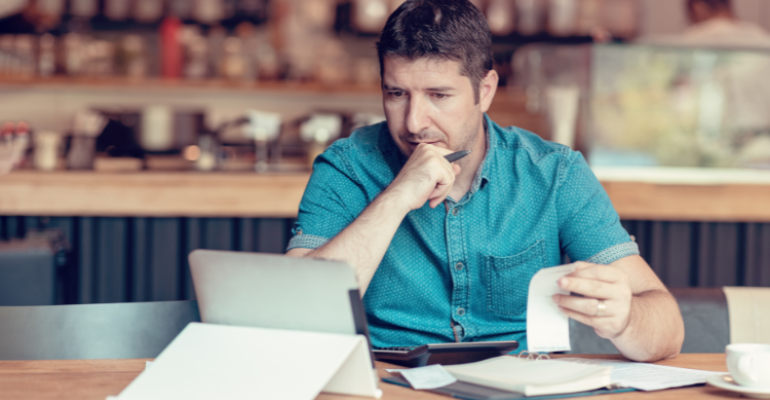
{"x": 427, "y": 101}
{"x": 699, "y": 11}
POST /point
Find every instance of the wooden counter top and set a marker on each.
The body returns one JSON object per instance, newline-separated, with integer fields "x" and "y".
{"x": 171, "y": 194}
{"x": 151, "y": 194}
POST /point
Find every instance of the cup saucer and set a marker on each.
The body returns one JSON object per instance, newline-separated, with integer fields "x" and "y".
{"x": 726, "y": 382}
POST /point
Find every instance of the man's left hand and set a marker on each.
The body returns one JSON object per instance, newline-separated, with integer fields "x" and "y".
{"x": 600, "y": 284}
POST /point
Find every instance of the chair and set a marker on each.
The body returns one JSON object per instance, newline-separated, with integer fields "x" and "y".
{"x": 92, "y": 331}
{"x": 706, "y": 325}
{"x": 27, "y": 273}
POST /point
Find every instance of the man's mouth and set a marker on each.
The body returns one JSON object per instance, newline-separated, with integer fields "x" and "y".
{"x": 413, "y": 145}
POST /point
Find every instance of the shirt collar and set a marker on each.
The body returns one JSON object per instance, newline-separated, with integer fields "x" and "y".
{"x": 485, "y": 169}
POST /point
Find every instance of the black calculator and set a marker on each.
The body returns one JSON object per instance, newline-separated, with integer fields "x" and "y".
{"x": 444, "y": 353}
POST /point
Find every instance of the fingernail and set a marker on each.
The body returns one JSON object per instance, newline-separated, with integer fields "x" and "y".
{"x": 563, "y": 282}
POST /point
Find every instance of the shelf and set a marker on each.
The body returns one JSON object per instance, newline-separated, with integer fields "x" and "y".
{"x": 63, "y": 96}
{"x": 180, "y": 194}
{"x": 122, "y": 83}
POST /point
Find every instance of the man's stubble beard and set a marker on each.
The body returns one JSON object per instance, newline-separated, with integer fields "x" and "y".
{"x": 467, "y": 144}
{"x": 470, "y": 140}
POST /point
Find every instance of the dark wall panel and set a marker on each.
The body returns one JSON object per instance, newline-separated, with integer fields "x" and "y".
{"x": 139, "y": 279}
{"x": 84, "y": 260}
{"x": 165, "y": 259}
{"x": 192, "y": 240}
{"x": 111, "y": 260}
{"x": 218, "y": 233}
{"x": 757, "y": 255}
{"x": 145, "y": 259}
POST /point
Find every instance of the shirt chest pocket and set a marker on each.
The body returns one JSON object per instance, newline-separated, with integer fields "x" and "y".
{"x": 507, "y": 279}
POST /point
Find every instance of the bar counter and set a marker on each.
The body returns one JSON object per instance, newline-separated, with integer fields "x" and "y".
{"x": 694, "y": 196}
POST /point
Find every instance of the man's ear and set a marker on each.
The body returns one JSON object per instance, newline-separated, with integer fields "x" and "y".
{"x": 487, "y": 90}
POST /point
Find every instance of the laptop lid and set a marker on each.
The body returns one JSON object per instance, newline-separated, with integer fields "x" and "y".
{"x": 275, "y": 291}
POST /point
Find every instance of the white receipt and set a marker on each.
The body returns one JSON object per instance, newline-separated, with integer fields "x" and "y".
{"x": 547, "y": 326}
{"x": 648, "y": 377}
{"x": 430, "y": 377}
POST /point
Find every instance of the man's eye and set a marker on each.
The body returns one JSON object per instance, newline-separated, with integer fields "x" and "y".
{"x": 396, "y": 93}
{"x": 439, "y": 96}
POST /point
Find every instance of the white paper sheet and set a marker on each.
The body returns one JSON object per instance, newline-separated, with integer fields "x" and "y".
{"x": 649, "y": 377}
{"x": 232, "y": 362}
{"x": 430, "y": 377}
{"x": 547, "y": 326}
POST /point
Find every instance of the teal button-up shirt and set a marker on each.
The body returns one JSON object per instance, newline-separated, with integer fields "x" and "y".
{"x": 531, "y": 202}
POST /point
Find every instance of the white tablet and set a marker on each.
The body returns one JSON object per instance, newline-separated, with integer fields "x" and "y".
{"x": 275, "y": 291}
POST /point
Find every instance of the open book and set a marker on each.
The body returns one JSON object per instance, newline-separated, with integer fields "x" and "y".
{"x": 533, "y": 378}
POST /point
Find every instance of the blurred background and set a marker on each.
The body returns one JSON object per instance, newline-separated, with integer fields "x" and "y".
{"x": 136, "y": 131}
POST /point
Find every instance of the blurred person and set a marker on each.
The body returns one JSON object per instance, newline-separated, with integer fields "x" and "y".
{"x": 445, "y": 251}
{"x": 12, "y": 7}
{"x": 24, "y": 17}
{"x": 714, "y": 24}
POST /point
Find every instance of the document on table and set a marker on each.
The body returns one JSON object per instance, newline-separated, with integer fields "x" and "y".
{"x": 648, "y": 377}
{"x": 430, "y": 377}
{"x": 547, "y": 326}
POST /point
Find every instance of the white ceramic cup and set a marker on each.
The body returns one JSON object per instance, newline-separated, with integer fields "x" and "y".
{"x": 749, "y": 364}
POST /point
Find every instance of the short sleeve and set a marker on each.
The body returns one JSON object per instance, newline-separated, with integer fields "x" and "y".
{"x": 589, "y": 226}
{"x": 332, "y": 200}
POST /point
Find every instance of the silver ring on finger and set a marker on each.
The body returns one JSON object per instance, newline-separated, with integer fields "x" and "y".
{"x": 600, "y": 309}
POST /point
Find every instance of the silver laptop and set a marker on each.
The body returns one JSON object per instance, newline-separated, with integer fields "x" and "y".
{"x": 274, "y": 291}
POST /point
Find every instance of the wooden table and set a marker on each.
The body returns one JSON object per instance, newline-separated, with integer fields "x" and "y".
{"x": 97, "y": 379}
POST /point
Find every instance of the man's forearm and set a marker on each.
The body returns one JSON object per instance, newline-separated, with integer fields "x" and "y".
{"x": 655, "y": 330}
{"x": 364, "y": 242}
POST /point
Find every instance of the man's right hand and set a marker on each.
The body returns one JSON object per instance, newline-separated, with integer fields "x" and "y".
{"x": 427, "y": 176}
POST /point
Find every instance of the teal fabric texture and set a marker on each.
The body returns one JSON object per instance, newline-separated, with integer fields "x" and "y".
{"x": 467, "y": 265}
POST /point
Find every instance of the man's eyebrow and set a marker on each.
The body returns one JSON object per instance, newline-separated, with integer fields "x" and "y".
{"x": 440, "y": 89}
{"x": 430, "y": 89}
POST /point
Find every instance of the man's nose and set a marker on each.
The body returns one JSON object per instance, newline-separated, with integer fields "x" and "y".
{"x": 417, "y": 119}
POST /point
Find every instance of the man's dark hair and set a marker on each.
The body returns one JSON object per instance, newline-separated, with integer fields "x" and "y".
{"x": 444, "y": 29}
{"x": 712, "y": 4}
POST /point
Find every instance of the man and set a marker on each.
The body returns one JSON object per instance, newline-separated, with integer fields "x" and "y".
{"x": 714, "y": 24}
{"x": 445, "y": 252}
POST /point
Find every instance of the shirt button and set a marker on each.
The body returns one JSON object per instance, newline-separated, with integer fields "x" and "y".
{"x": 461, "y": 311}
{"x": 459, "y": 266}
{"x": 455, "y": 211}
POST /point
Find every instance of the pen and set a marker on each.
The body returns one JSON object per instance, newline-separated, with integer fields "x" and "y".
{"x": 457, "y": 155}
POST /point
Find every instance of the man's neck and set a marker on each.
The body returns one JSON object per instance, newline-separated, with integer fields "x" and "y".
{"x": 464, "y": 180}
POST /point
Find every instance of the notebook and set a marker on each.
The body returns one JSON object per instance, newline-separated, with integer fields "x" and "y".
{"x": 533, "y": 377}
{"x": 469, "y": 391}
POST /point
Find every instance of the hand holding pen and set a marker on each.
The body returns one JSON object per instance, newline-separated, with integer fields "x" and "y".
{"x": 457, "y": 155}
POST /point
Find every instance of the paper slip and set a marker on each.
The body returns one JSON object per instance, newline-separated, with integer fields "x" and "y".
{"x": 430, "y": 377}
{"x": 547, "y": 326}
{"x": 649, "y": 377}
